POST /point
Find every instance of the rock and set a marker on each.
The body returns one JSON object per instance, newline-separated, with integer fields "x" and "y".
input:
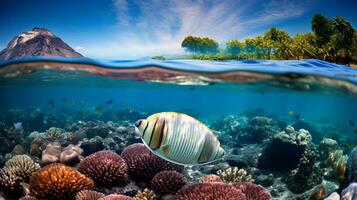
{"x": 91, "y": 146}
{"x": 333, "y": 196}
{"x": 265, "y": 180}
{"x": 284, "y": 150}
{"x": 51, "y": 153}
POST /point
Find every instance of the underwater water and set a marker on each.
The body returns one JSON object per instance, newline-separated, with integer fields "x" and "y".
{"x": 288, "y": 127}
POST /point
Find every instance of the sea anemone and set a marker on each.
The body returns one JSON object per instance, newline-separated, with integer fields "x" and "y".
{"x": 9, "y": 184}
{"x": 234, "y": 175}
{"x": 106, "y": 168}
{"x": 146, "y": 194}
{"x": 210, "y": 191}
{"x": 57, "y": 181}
{"x": 116, "y": 197}
{"x": 145, "y": 165}
{"x": 253, "y": 191}
{"x": 168, "y": 182}
{"x": 210, "y": 179}
{"x": 22, "y": 166}
{"x": 89, "y": 195}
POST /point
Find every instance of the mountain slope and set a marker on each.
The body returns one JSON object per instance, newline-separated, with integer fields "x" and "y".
{"x": 38, "y": 42}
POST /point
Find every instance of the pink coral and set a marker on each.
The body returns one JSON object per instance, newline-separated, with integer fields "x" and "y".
{"x": 106, "y": 168}
{"x": 116, "y": 197}
{"x": 210, "y": 191}
{"x": 144, "y": 164}
{"x": 253, "y": 191}
{"x": 210, "y": 179}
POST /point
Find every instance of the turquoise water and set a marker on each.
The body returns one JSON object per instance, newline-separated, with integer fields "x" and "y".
{"x": 318, "y": 96}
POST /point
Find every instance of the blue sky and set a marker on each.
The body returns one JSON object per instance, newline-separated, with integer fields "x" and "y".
{"x": 116, "y": 29}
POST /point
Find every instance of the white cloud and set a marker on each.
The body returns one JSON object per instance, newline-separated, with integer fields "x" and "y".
{"x": 79, "y": 48}
{"x": 154, "y": 27}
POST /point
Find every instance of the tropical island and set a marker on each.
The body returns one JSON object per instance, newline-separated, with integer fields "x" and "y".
{"x": 333, "y": 40}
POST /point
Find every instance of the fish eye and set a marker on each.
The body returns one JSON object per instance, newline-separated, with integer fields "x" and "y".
{"x": 137, "y": 123}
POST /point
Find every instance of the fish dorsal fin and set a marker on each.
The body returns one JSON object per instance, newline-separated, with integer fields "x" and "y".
{"x": 165, "y": 148}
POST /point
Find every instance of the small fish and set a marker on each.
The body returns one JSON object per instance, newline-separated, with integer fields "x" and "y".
{"x": 297, "y": 116}
{"x": 110, "y": 101}
{"x": 351, "y": 122}
{"x": 191, "y": 88}
{"x": 290, "y": 113}
{"x": 18, "y": 126}
{"x": 179, "y": 138}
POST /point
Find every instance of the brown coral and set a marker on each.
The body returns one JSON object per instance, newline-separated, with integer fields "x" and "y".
{"x": 168, "y": 182}
{"x": 21, "y": 166}
{"x": 145, "y": 165}
{"x": 57, "y": 181}
{"x": 253, "y": 191}
{"x": 210, "y": 191}
{"x": 10, "y": 184}
{"x": 210, "y": 179}
{"x": 146, "y": 194}
{"x": 116, "y": 197}
{"x": 106, "y": 168}
{"x": 89, "y": 195}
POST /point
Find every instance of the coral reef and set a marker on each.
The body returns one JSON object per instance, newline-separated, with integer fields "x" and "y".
{"x": 145, "y": 165}
{"x": 326, "y": 146}
{"x": 27, "y": 197}
{"x": 146, "y": 194}
{"x": 130, "y": 189}
{"x": 210, "y": 191}
{"x": 9, "y": 138}
{"x": 116, "y": 197}
{"x": 349, "y": 193}
{"x": 70, "y": 155}
{"x": 258, "y": 129}
{"x": 210, "y": 178}
{"x": 253, "y": 191}
{"x": 92, "y": 145}
{"x": 352, "y": 166}
{"x": 338, "y": 161}
{"x": 89, "y": 195}
{"x": 234, "y": 175}
{"x": 57, "y": 181}
{"x": 106, "y": 168}
{"x": 289, "y": 146}
{"x": 10, "y": 184}
{"x": 306, "y": 175}
{"x": 167, "y": 182}
{"x": 21, "y": 166}
{"x": 319, "y": 193}
{"x": 51, "y": 153}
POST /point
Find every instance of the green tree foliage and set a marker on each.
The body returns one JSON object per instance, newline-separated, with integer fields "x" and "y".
{"x": 202, "y": 45}
{"x": 334, "y": 40}
{"x": 322, "y": 28}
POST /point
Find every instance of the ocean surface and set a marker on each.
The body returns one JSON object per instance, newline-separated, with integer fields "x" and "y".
{"x": 318, "y": 96}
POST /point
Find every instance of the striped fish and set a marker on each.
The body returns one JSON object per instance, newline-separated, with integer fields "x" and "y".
{"x": 179, "y": 138}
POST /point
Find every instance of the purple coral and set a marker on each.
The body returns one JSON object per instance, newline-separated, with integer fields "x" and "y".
{"x": 116, "y": 197}
{"x": 210, "y": 191}
{"x": 145, "y": 165}
{"x": 106, "y": 168}
{"x": 168, "y": 182}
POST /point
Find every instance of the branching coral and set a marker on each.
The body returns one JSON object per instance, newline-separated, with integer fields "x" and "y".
{"x": 145, "y": 165}
{"x": 89, "y": 195}
{"x": 234, "y": 175}
{"x": 253, "y": 191}
{"x": 210, "y": 191}
{"x": 116, "y": 197}
{"x": 210, "y": 178}
{"x": 167, "y": 182}
{"x": 57, "y": 181}
{"x": 146, "y": 194}
{"x": 106, "y": 168}
{"x": 22, "y": 166}
{"x": 10, "y": 184}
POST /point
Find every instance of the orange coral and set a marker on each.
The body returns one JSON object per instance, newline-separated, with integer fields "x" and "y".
{"x": 57, "y": 181}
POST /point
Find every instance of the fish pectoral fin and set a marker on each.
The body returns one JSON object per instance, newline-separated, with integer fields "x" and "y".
{"x": 165, "y": 148}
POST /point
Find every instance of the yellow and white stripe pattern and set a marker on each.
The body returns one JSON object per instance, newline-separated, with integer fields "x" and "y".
{"x": 179, "y": 138}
